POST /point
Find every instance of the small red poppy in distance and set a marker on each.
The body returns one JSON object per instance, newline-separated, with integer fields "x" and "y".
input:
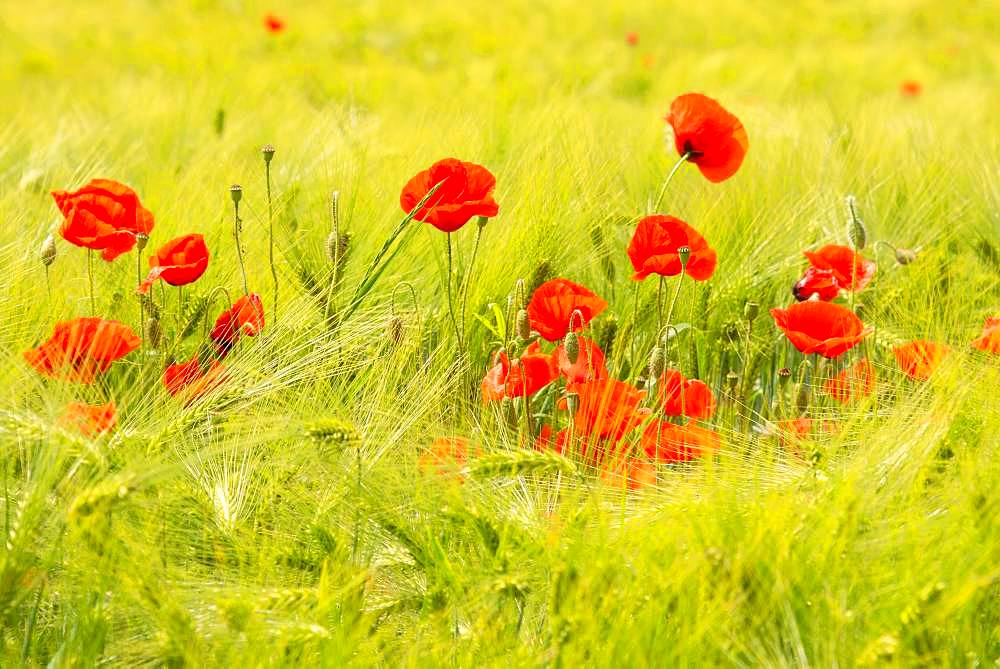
{"x": 446, "y": 455}
{"x": 80, "y": 349}
{"x": 634, "y": 471}
{"x": 851, "y": 269}
{"x": 246, "y": 317}
{"x": 191, "y": 380}
{"x": 714, "y": 139}
{"x": 911, "y": 88}
{"x": 667, "y": 442}
{"x": 653, "y": 249}
{"x": 919, "y": 359}
{"x": 91, "y": 420}
{"x": 466, "y": 191}
{"x": 274, "y": 24}
{"x": 178, "y": 262}
{"x": 685, "y": 397}
{"x": 553, "y": 303}
{"x": 526, "y": 375}
{"x": 852, "y": 383}
{"x": 103, "y": 216}
{"x": 632, "y": 38}
{"x": 989, "y": 341}
{"x": 819, "y": 282}
{"x": 821, "y": 327}
{"x": 608, "y": 408}
{"x": 589, "y": 363}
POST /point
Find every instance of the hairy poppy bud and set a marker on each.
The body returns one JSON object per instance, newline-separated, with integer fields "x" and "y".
{"x": 750, "y": 311}
{"x": 571, "y": 343}
{"x": 684, "y": 253}
{"x": 396, "y": 329}
{"x": 905, "y": 256}
{"x": 657, "y": 362}
{"x": 153, "y": 332}
{"x": 856, "y": 231}
{"x": 523, "y": 326}
{"x": 236, "y": 192}
{"x": 48, "y": 250}
{"x": 140, "y": 241}
{"x": 268, "y": 152}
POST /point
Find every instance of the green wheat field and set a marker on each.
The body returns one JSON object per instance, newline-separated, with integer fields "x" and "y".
{"x": 335, "y": 491}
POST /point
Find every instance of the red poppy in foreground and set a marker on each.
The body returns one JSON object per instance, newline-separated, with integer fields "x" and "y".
{"x": 274, "y": 24}
{"x": 714, "y": 139}
{"x": 246, "y": 317}
{"x": 821, "y": 327}
{"x": 91, "y": 420}
{"x": 192, "y": 380}
{"x": 851, "y": 269}
{"x": 526, "y": 375}
{"x": 819, "y": 282}
{"x": 852, "y": 383}
{"x": 554, "y": 302}
{"x": 466, "y": 191}
{"x": 178, "y": 262}
{"x": 653, "y": 249}
{"x": 919, "y": 359}
{"x": 80, "y": 349}
{"x": 685, "y": 397}
{"x": 103, "y": 216}
{"x": 911, "y": 88}
{"x": 608, "y": 408}
{"x": 667, "y": 442}
{"x": 989, "y": 341}
{"x": 589, "y": 363}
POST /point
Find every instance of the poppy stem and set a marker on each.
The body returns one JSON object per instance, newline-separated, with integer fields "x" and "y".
{"x": 464, "y": 297}
{"x": 90, "y": 277}
{"x": 673, "y": 300}
{"x": 48, "y": 284}
{"x": 659, "y": 306}
{"x": 142, "y": 303}
{"x": 239, "y": 248}
{"x": 666, "y": 182}
{"x": 270, "y": 227}
{"x": 451, "y": 306}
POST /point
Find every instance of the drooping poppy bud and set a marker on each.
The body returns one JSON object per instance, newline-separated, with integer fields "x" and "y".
{"x": 905, "y": 256}
{"x": 523, "y": 325}
{"x": 571, "y": 344}
{"x": 857, "y": 233}
{"x": 153, "y": 332}
{"x": 48, "y": 250}
{"x": 657, "y": 362}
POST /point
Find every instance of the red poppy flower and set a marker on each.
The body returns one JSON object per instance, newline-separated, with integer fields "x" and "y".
{"x": 685, "y": 397}
{"x": 191, "y": 380}
{"x": 667, "y": 442}
{"x": 653, "y": 249}
{"x": 911, "y": 88}
{"x": 554, "y": 302}
{"x": 851, "y": 269}
{"x": 178, "y": 262}
{"x": 792, "y": 432}
{"x": 446, "y": 455}
{"x": 546, "y": 441}
{"x": 81, "y": 348}
{"x": 632, "y": 38}
{"x": 104, "y": 216}
{"x": 919, "y": 359}
{"x": 528, "y": 374}
{"x": 91, "y": 420}
{"x": 273, "y": 24}
{"x": 635, "y": 472}
{"x": 466, "y": 191}
{"x": 246, "y": 317}
{"x": 989, "y": 341}
{"x": 821, "y": 327}
{"x": 589, "y": 364}
{"x": 608, "y": 408}
{"x": 819, "y": 282}
{"x": 852, "y": 383}
{"x": 714, "y": 138}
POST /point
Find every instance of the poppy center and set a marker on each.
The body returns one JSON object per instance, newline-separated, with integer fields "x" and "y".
{"x": 689, "y": 148}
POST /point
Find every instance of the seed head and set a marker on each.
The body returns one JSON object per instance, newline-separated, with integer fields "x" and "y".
{"x": 141, "y": 239}
{"x": 523, "y": 325}
{"x": 905, "y": 256}
{"x": 48, "y": 250}
{"x": 657, "y": 362}
{"x": 750, "y": 311}
{"x": 268, "y": 152}
{"x": 784, "y": 374}
{"x": 684, "y": 252}
{"x": 571, "y": 344}
{"x": 236, "y": 192}
{"x": 731, "y": 380}
{"x": 336, "y": 247}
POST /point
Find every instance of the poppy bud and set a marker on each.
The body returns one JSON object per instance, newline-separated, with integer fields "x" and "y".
{"x": 657, "y": 362}
{"x": 684, "y": 253}
{"x": 153, "y": 332}
{"x": 856, "y": 231}
{"x": 236, "y": 192}
{"x": 48, "y": 251}
{"x": 905, "y": 256}
{"x": 732, "y": 378}
{"x": 572, "y": 403}
{"x": 571, "y": 344}
{"x": 140, "y": 241}
{"x": 396, "y": 329}
{"x": 268, "y": 152}
{"x": 750, "y": 311}
{"x": 523, "y": 326}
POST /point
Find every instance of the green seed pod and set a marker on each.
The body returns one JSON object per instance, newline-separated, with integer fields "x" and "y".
{"x": 140, "y": 241}
{"x": 751, "y": 311}
{"x": 571, "y": 344}
{"x": 905, "y": 256}
{"x": 48, "y": 250}
{"x": 154, "y": 332}
{"x": 732, "y": 379}
{"x": 657, "y": 362}
{"x": 236, "y": 192}
{"x": 684, "y": 252}
{"x": 857, "y": 234}
{"x": 784, "y": 374}
{"x": 523, "y": 325}
{"x": 268, "y": 152}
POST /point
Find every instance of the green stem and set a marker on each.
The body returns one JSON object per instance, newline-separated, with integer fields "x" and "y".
{"x": 451, "y": 306}
{"x": 239, "y": 248}
{"x": 142, "y": 303}
{"x": 90, "y": 277}
{"x": 270, "y": 225}
{"x": 673, "y": 301}
{"x": 670, "y": 176}
{"x": 464, "y": 297}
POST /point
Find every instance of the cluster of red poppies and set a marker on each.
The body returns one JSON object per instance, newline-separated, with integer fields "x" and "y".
{"x": 107, "y": 216}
